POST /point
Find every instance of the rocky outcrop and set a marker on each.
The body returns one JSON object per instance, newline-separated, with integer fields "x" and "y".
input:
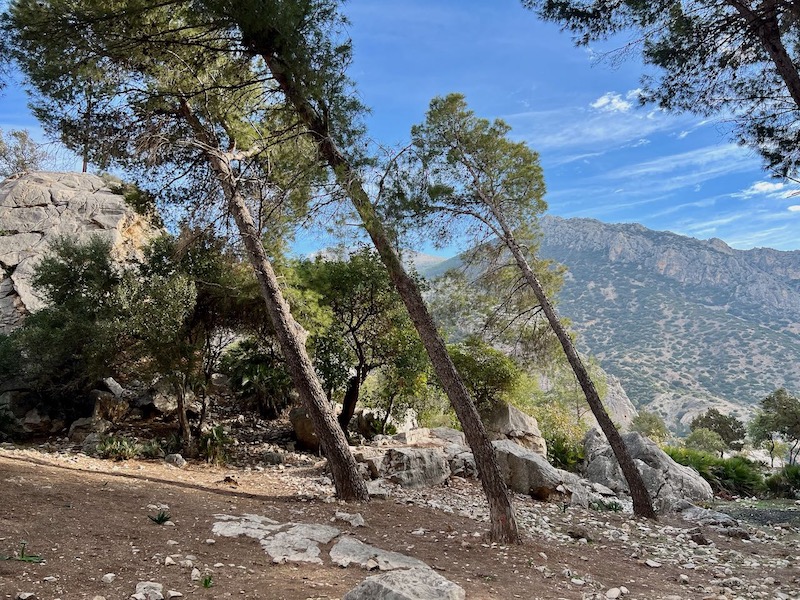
{"x": 35, "y": 209}
{"x": 667, "y": 482}
{"x": 507, "y": 422}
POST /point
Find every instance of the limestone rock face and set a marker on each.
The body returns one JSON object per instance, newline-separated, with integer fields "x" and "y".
{"x": 37, "y": 208}
{"x": 667, "y": 481}
{"x": 411, "y": 584}
{"x": 507, "y": 422}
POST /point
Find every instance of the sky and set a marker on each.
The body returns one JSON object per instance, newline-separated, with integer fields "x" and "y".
{"x": 604, "y": 157}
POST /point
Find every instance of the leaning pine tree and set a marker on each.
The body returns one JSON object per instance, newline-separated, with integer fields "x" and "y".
{"x": 192, "y": 105}
{"x": 468, "y": 171}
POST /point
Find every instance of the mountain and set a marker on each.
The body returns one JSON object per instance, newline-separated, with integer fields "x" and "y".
{"x": 683, "y": 323}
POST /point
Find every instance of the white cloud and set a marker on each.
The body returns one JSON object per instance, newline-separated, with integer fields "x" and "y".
{"x": 794, "y": 208}
{"x": 611, "y": 102}
{"x": 761, "y": 188}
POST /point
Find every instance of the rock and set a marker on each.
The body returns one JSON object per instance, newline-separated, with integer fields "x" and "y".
{"x": 667, "y": 481}
{"x": 449, "y": 435}
{"x": 377, "y": 489}
{"x": 613, "y": 593}
{"x": 299, "y": 543}
{"x": 112, "y": 386}
{"x": 149, "y": 590}
{"x": 507, "y": 422}
{"x": 40, "y": 423}
{"x": 91, "y": 443}
{"x": 304, "y": 429}
{"x": 195, "y": 575}
{"x": 176, "y": 460}
{"x": 356, "y": 520}
{"x": 463, "y": 465}
{"x": 704, "y": 516}
{"x": 26, "y": 596}
{"x": 108, "y": 407}
{"x": 173, "y": 594}
{"x": 411, "y": 584}
{"x": 528, "y": 472}
{"x": 653, "y": 564}
{"x": 108, "y": 577}
{"x": 37, "y": 208}
{"x": 81, "y": 428}
{"x": 349, "y": 551}
{"x": 416, "y": 467}
{"x": 169, "y": 561}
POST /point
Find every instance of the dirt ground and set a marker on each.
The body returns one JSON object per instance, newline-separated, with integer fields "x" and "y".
{"x": 87, "y": 517}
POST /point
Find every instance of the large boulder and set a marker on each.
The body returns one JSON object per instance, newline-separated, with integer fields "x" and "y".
{"x": 38, "y": 422}
{"x": 304, "y": 429}
{"x": 416, "y": 467}
{"x": 80, "y": 429}
{"x": 108, "y": 406}
{"x": 528, "y": 472}
{"x": 37, "y": 208}
{"x": 507, "y": 422}
{"x": 667, "y": 482}
{"x": 407, "y": 584}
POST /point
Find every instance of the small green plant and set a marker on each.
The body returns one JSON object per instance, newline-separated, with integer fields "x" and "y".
{"x": 160, "y": 518}
{"x": 215, "y": 444}
{"x": 151, "y": 449}
{"x": 207, "y": 581}
{"x": 24, "y": 556}
{"x": 735, "y": 475}
{"x": 785, "y": 483}
{"x": 605, "y": 505}
{"x": 117, "y": 448}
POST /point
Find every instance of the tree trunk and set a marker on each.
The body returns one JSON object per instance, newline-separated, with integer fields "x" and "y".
{"x": 184, "y": 431}
{"x": 503, "y": 523}
{"x": 349, "y": 402}
{"x": 642, "y": 504}
{"x": 291, "y": 336}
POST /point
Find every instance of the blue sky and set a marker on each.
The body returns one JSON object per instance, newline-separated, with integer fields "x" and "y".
{"x": 603, "y": 156}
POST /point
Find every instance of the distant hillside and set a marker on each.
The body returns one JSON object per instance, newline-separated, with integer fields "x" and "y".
{"x": 683, "y": 323}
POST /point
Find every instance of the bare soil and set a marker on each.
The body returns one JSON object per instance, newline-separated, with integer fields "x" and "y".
{"x": 87, "y": 517}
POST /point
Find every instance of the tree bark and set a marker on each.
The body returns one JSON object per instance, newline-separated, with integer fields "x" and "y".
{"x": 642, "y": 504}
{"x": 349, "y": 402}
{"x": 503, "y": 524}
{"x": 348, "y": 482}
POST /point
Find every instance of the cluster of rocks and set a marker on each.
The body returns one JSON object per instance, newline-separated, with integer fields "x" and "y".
{"x": 399, "y": 577}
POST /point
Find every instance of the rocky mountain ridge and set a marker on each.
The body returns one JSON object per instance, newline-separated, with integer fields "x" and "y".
{"x": 683, "y": 323}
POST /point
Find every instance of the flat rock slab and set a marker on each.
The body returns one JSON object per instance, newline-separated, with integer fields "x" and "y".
{"x": 411, "y": 584}
{"x": 349, "y": 551}
{"x": 299, "y": 543}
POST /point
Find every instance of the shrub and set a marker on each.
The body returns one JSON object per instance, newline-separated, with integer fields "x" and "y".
{"x": 215, "y": 445}
{"x": 117, "y": 448}
{"x": 785, "y": 483}
{"x": 564, "y": 453}
{"x": 735, "y": 476}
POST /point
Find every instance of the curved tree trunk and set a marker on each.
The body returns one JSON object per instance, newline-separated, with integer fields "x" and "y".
{"x": 502, "y": 518}
{"x": 349, "y": 402}
{"x": 642, "y": 504}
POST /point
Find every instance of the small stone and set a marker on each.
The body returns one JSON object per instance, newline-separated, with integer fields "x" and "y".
{"x": 50, "y": 579}
{"x": 186, "y": 564}
{"x": 196, "y": 575}
{"x": 98, "y": 598}
{"x": 191, "y": 557}
{"x": 356, "y": 520}
{"x": 218, "y": 565}
{"x": 211, "y": 541}
{"x": 108, "y": 577}
{"x": 172, "y": 543}
{"x": 577, "y": 581}
{"x": 169, "y": 561}
{"x": 683, "y": 578}
{"x": 26, "y": 596}
{"x": 371, "y": 565}
{"x": 624, "y": 590}
{"x": 653, "y": 564}
{"x": 169, "y": 524}
{"x": 150, "y": 590}
{"x": 176, "y": 460}
{"x": 173, "y": 594}
{"x": 613, "y": 593}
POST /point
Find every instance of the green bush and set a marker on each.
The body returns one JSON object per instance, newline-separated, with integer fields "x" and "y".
{"x": 736, "y": 476}
{"x": 117, "y": 448}
{"x": 785, "y": 483}
{"x": 564, "y": 453}
{"x": 215, "y": 445}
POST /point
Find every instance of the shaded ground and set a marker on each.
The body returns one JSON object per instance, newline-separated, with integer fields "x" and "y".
{"x": 88, "y": 517}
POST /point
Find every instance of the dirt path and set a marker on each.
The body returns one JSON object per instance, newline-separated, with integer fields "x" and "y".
{"x": 88, "y": 517}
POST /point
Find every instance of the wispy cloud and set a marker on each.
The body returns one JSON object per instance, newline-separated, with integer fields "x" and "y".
{"x": 794, "y": 208}
{"x": 611, "y": 102}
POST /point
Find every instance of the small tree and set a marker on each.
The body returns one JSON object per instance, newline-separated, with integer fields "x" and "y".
{"x": 779, "y": 417}
{"x": 19, "y": 153}
{"x": 705, "y": 440}
{"x": 730, "y": 429}
{"x": 650, "y": 424}
{"x": 489, "y": 374}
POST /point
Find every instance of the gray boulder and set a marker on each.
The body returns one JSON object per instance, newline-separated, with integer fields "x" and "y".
{"x": 410, "y": 584}
{"x": 81, "y": 428}
{"x": 667, "y": 481}
{"x": 303, "y": 429}
{"x": 527, "y": 472}
{"x": 416, "y": 467}
{"x": 38, "y": 422}
{"x": 108, "y": 406}
{"x": 506, "y": 422}
{"x": 349, "y": 551}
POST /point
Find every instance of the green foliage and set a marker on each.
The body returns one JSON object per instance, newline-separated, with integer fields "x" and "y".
{"x": 207, "y": 581}
{"x": 23, "y": 556}
{"x": 118, "y": 448}
{"x": 160, "y": 517}
{"x": 735, "y": 476}
{"x": 730, "y": 430}
{"x": 215, "y": 445}
{"x": 19, "y": 153}
{"x": 258, "y": 373}
{"x": 564, "y": 452}
{"x": 785, "y": 483}
{"x": 488, "y": 374}
{"x": 778, "y": 419}
{"x": 705, "y": 440}
{"x": 651, "y": 425}
{"x": 605, "y": 505}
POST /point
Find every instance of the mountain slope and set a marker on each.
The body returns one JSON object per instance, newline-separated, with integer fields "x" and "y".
{"x": 683, "y": 323}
